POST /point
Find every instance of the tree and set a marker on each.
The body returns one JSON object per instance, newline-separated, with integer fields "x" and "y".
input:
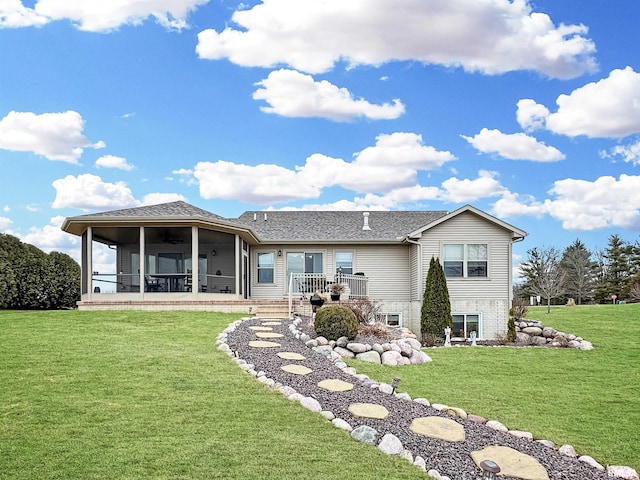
{"x": 32, "y": 279}
{"x": 436, "y": 306}
{"x": 616, "y": 269}
{"x": 579, "y": 271}
{"x": 543, "y": 275}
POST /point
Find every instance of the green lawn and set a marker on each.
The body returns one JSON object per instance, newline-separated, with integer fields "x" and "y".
{"x": 589, "y": 399}
{"x": 130, "y": 395}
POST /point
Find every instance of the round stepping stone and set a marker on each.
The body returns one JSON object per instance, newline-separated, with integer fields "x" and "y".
{"x": 262, "y": 329}
{"x": 438, "y": 427}
{"x": 335, "y": 385}
{"x": 512, "y": 463}
{"x": 291, "y": 356}
{"x": 269, "y": 335}
{"x": 263, "y": 344}
{"x": 296, "y": 369}
{"x": 271, "y": 323}
{"x": 369, "y": 410}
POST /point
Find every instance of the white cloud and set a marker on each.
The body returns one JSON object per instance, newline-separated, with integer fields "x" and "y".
{"x": 89, "y": 192}
{"x": 582, "y": 205}
{"x": 14, "y": 14}
{"x": 6, "y": 208}
{"x": 260, "y": 184}
{"x": 55, "y": 136}
{"x": 515, "y": 146}
{"x": 488, "y": 36}
{"x": 111, "y": 161}
{"x": 99, "y": 15}
{"x": 51, "y": 237}
{"x": 607, "y": 108}
{"x": 467, "y": 190}
{"x": 294, "y": 94}
{"x": 531, "y": 115}
{"x": 4, "y": 223}
{"x": 392, "y": 163}
{"x": 629, "y": 153}
{"x": 156, "y": 198}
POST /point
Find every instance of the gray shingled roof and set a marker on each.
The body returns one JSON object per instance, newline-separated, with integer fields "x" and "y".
{"x": 311, "y": 226}
{"x": 288, "y": 226}
{"x": 172, "y": 209}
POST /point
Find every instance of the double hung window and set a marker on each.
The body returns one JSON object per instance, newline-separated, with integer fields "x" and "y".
{"x": 265, "y": 267}
{"x": 465, "y": 260}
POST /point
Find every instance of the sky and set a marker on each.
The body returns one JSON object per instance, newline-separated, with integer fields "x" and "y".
{"x": 528, "y": 110}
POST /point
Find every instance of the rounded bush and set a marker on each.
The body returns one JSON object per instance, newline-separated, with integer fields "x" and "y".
{"x": 335, "y": 321}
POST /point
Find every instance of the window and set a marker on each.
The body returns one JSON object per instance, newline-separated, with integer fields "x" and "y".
{"x": 170, "y": 263}
{"x": 344, "y": 262}
{"x": 465, "y": 260}
{"x": 390, "y": 319}
{"x": 265, "y": 267}
{"x": 464, "y": 324}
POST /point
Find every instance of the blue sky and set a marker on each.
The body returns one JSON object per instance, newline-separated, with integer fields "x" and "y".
{"x": 529, "y": 110}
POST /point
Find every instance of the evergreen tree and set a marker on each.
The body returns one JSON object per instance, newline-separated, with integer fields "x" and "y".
{"x": 615, "y": 271}
{"x": 436, "y": 306}
{"x": 579, "y": 272}
{"x": 31, "y": 279}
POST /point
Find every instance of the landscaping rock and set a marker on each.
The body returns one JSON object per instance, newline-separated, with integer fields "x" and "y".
{"x": 533, "y": 331}
{"x": 358, "y": 347}
{"x": 496, "y": 425}
{"x": 568, "y": 450}
{"x": 371, "y": 356}
{"x": 391, "y": 358}
{"x": 617, "y": 471}
{"x": 391, "y": 445}
{"x": 341, "y": 424}
{"x": 365, "y": 434}
{"x": 591, "y": 461}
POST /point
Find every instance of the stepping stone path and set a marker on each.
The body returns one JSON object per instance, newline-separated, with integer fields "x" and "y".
{"x": 269, "y": 335}
{"x": 512, "y": 463}
{"x": 263, "y": 344}
{"x": 290, "y": 356}
{"x": 438, "y": 427}
{"x": 369, "y": 410}
{"x": 335, "y": 385}
{"x": 296, "y": 369}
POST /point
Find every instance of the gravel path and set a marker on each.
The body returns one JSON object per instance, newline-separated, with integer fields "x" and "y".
{"x": 449, "y": 458}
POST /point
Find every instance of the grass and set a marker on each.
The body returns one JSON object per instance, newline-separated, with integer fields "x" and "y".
{"x": 128, "y": 395}
{"x": 589, "y": 399}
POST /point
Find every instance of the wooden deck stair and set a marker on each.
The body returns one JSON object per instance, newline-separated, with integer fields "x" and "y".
{"x": 273, "y": 310}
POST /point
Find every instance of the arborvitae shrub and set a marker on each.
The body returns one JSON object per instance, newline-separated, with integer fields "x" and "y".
{"x": 335, "y": 321}
{"x": 511, "y": 330}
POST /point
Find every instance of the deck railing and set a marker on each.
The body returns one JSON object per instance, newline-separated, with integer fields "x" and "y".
{"x": 304, "y": 285}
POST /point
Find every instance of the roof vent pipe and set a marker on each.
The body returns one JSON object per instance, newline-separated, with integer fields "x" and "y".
{"x": 365, "y": 218}
{"x": 255, "y": 216}
{"x": 265, "y": 216}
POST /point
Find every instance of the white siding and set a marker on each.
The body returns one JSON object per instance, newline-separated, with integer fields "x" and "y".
{"x": 488, "y": 296}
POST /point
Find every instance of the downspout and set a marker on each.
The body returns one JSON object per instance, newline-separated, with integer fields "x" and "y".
{"x": 511, "y": 270}
{"x": 415, "y": 242}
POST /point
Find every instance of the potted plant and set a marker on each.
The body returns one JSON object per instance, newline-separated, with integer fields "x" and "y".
{"x": 336, "y": 290}
{"x": 316, "y": 300}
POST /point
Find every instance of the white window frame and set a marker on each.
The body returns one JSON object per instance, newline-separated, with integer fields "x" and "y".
{"x": 479, "y": 336}
{"x": 384, "y": 317}
{"x": 272, "y": 268}
{"x": 465, "y": 260}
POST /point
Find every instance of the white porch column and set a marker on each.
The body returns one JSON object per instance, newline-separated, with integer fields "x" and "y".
{"x": 142, "y": 262}
{"x": 238, "y": 264}
{"x": 195, "y": 275}
{"x": 89, "y": 262}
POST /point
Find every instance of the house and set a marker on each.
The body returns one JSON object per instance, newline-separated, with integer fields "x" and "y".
{"x": 280, "y": 257}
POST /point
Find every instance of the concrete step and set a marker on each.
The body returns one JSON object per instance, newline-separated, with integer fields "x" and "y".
{"x": 272, "y": 311}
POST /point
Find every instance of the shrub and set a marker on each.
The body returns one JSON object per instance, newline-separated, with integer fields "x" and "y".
{"x": 519, "y": 309}
{"x": 377, "y": 330}
{"x": 431, "y": 340}
{"x": 511, "y": 330}
{"x": 436, "y": 306}
{"x": 335, "y": 321}
{"x": 366, "y": 310}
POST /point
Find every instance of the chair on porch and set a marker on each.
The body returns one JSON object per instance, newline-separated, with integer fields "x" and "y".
{"x": 152, "y": 284}
{"x": 188, "y": 282}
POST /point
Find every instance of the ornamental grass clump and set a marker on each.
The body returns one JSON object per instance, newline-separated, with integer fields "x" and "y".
{"x": 335, "y": 321}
